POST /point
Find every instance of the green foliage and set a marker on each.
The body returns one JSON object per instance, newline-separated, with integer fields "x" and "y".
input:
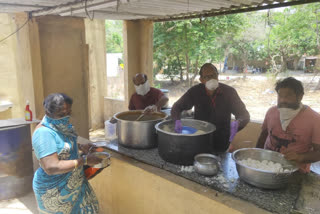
{"x": 157, "y": 85}
{"x": 114, "y": 38}
{"x": 292, "y": 33}
{"x": 183, "y": 46}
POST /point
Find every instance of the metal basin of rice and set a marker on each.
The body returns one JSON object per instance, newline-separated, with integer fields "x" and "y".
{"x": 261, "y": 178}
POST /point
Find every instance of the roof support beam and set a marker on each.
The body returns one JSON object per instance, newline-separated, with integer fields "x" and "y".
{"x": 22, "y": 5}
{"x": 77, "y": 7}
{"x": 235, "y": 10}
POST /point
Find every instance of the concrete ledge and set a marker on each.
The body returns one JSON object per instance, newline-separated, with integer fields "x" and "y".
{"x": 129, "y": 186}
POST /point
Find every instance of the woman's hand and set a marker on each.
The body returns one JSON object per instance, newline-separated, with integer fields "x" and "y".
{"x": 85, "y": 148}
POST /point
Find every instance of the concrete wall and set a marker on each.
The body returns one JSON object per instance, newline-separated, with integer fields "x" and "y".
{"x": 95, "y": 38}
{"x": 138, "y": 52}
{"x": 128, "y": 186}
{"x": 54, "y": 54}
{"x": 112, "y": 106}
{"x": 16, "y": 82}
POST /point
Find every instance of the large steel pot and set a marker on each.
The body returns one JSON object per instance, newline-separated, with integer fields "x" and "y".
{"x": 261, "y": 178}
{"x": 137, "y": 134}
{"x": 181, "y": 148}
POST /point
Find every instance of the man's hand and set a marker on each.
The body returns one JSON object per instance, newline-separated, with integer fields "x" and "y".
{"x": 293, "y": 156}
{"x": 178, "y": 126}
{"x": 150, "y": 109}
{"x": 233, "y": 129}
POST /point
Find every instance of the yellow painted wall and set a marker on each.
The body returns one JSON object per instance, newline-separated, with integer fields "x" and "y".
{"x": 64, "y": 64}
{"x": 54, "y": 54}
{"x": 16, "y": 84}
{"x": 130, "y": 187}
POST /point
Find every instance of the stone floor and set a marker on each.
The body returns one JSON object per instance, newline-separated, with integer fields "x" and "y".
{"x": 24, "y": 205}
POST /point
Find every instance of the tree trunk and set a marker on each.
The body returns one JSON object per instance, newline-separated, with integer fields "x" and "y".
{"x": 245, "y": 64}
{"x": 317, "y": 70}
{"x": 180, "y": 66}
{"x": 283, "y": 64}
{"x": 296, "y": 63}
{"x": 194, "y": 73}
{"x": 188, "y": 66}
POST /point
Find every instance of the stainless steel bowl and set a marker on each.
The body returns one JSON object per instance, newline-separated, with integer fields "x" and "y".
{"x": 105, "y": 159}
{"x": 261, "y": 178}
{"x": 206, "y": 164}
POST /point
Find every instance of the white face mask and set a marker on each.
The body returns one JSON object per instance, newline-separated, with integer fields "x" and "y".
{"x": 143, "y": 89}
{"x": 287, "y": 114}
{"x": 212, "y": 84}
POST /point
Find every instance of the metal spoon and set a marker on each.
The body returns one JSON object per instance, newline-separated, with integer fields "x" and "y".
{"x": 141, "y": 116}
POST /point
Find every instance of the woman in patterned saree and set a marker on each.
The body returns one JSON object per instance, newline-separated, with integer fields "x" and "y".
{"x": 59, "y": 184}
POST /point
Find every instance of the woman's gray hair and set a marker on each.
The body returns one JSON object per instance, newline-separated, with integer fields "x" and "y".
{"x": 53, "y": 103}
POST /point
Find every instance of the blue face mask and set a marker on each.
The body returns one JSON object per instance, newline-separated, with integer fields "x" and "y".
{"x": 61, "y": 125}
{"x": 64, "y": 120}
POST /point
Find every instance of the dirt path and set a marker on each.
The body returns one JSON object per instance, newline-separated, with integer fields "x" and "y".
{"x": 256, "y": 91}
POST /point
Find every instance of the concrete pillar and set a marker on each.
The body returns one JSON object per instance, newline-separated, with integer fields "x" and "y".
{"x": 138, "y": 52}
{"x": 96, "y": 38}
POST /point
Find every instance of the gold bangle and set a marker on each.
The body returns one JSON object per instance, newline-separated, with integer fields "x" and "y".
{"x": 75, "y": 163}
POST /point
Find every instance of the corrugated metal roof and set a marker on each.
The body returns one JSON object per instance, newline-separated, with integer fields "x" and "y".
{"x": 157, "y": 10}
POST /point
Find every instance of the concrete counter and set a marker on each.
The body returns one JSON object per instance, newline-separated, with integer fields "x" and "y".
{"x": 226, "y": 188}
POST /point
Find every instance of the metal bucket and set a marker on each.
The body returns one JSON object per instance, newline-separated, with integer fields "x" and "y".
{"x": 137, "y": 134}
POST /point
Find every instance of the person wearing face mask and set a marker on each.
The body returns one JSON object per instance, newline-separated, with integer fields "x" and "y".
{"x": 290, "y": 127}
{"x": 59, "y": 184}
{"x": 146, "y": 98}
{"x": 213, "y": 102}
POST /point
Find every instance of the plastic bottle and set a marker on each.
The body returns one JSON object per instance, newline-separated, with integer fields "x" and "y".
{"x": 28, "y": 112}
{"x": 110, "y": 130}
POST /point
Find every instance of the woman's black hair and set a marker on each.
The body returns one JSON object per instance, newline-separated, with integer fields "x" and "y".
{"x": 53, "y": 103}
{"x": 291, "y": 83}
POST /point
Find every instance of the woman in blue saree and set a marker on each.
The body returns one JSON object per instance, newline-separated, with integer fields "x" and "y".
{"x": 59, "y": 184}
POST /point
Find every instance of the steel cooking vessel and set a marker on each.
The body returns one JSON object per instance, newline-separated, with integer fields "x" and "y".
{"x": 181, "y": 148}
{"x": 137, "y": 134}
{"x": 261, "y": 178}
{"x": 206, "y": 164}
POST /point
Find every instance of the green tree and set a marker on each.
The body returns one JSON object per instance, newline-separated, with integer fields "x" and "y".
{"x": 114, "y": 36}
{"x": 292, "y": 33}
{"x": 181, "y": 47}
